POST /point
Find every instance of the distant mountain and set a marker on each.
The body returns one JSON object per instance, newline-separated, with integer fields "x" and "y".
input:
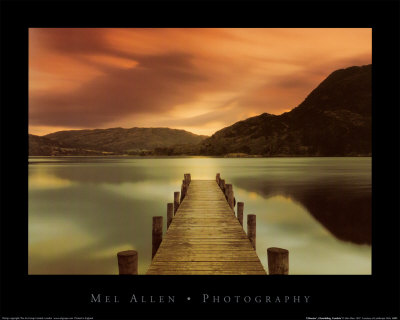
{"x": 334, "y": 120}
{"x": 41, "y": 146}
{"x": 114, "y": 140}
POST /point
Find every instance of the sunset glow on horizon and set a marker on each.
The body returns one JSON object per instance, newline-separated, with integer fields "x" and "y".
{"x": 199, "y": 80}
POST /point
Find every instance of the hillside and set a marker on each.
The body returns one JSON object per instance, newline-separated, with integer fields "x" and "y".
{"x": 114, "y": 140}
{"x": 334, "y": 120}
{"x": 41, "y": 146}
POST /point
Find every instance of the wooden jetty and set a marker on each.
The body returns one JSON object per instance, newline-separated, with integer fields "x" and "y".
{"x": 204, "y": 237}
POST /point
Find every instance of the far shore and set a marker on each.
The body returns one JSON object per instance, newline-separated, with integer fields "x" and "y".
{"x": 200, "y": 156}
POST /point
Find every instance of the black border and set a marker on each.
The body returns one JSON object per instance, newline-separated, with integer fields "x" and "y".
{"x": 29, "y": 296}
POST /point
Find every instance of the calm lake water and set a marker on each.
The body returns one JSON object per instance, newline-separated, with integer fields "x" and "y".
{"x": 83, "y": 210}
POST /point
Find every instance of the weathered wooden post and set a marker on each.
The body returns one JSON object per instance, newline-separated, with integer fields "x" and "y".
{"x": 157, "y": 234}
{"x": 278, "y": 261}
{"x": 240, "y": 208}
{"x": 251, "y": 229}
{"x": 128, "y": 262}
{"x": 183, "y": 190}
{"x": 176, "y": 201}
{"x": 226, "y": 192}
{"x": 233, "y": 198}
{"x": 223, "y": 185}
{"x": 230, "y": 196}
{"x": 217, "y": 178}
{"x": 170, "y": 213}
{"x": 188, "y": 178}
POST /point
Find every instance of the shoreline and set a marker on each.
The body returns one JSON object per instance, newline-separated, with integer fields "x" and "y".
{"x": 198, "y": 156}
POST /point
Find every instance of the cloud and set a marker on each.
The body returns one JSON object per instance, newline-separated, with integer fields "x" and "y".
{"x": 156, "y": 84}
{"x": 196, "y": 79}
{"x": 282, "y": 93}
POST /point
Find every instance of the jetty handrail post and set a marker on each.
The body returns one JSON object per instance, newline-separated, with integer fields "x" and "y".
{"x": 233, "y": 199}
{"x": 188, "y": 178}
{"x": 176, "y": 201}
{"x": 251, "y": 229}
{"x": 240, "y": 209}
{"x": 183, "y": 190}
{"x": 230, "y": 197}
{"x": 156, "y": 234}
{"x": 217, "y": 178}
{"x": 170, "y": 213}
{"x": 223, "y": 185}
{"x": 278, "y": 261}
{"x": 226, "y": 191}
{"x": 128, "y": 262}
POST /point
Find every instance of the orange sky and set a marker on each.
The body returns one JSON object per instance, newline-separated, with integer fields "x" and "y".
{"x": 200, "y": 80}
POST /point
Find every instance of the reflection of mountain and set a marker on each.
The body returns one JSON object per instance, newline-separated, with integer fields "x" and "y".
{"x": 346, "y": 217}
{"x": 346, "y": 213}
{"x": 342, "y": 206}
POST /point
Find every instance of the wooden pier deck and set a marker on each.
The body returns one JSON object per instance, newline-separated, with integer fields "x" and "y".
{"x": 205, "y": 237}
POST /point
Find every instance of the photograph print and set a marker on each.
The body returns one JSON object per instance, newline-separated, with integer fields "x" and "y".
{"x": 200, "y": 151}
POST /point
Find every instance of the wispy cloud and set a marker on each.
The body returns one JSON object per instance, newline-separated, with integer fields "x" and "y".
{"x": 194, "y": 79}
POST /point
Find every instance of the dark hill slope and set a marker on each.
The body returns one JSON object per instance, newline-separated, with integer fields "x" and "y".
{"x": 334, "y": 120}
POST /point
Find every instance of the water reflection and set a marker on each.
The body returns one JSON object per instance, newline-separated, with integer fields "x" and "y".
{"x": 343, "y": 209}
{"x": 83, "y": 210}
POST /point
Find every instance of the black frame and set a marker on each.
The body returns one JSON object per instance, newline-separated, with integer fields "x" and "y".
{"x": 25, "y": 295}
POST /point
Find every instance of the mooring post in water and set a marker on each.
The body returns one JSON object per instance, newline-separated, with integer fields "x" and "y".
{"x": 278, "y": 261}
{"x": 240, "y": 208}
{"x": 170, "y": 213}
{"x": 176, "y": 201}
{"x": 157, "y": 234}
{"x": 217, "y": 177}
{"x": 251, "y": 229}
{"x": 128, "y": 262}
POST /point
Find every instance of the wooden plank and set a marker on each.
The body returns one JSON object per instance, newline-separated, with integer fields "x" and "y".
{"x": 205, "y": 237}
{"x": 205, "y": 257}
{"x": 204, "y": 272}
{"x": 185, "y": 252}
{"x": 207, "y": 247}
{"x": 208, "y": 265}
